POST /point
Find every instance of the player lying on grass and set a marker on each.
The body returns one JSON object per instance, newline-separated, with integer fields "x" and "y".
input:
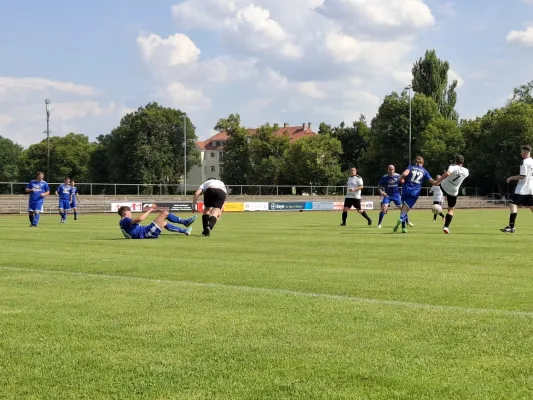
{"x": 132, "y": 229}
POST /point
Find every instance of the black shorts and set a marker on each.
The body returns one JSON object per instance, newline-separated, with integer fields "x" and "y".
{"x": 524, "y": 200}
{"x": 214, "y": 198}
{"x": 355, "y": 203}
{"x": 437, "y": 202}
{"x": 452, "y": 200}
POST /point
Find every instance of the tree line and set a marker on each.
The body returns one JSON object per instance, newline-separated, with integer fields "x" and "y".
{"x": 148, "y": 146}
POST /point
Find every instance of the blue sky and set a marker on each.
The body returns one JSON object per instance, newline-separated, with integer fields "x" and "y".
{"x": 269, "y": 60}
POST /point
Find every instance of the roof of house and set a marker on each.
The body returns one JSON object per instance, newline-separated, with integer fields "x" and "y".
{"x": 294, "y": 132}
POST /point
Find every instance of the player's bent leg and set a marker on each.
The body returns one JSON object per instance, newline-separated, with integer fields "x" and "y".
{"x": 213, "y": 217}
{"x": 384, "y": 209}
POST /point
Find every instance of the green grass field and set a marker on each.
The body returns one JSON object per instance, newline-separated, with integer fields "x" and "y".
{"x": 271, "y": 306}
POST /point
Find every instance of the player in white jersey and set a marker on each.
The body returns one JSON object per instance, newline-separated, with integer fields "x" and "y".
{"x": 437, "y": 199}
{"x": 523, "y": 194}
{"x": 215, "y": 194}
{"x": 450, "y": 182}
{"x": 353, "y": 197}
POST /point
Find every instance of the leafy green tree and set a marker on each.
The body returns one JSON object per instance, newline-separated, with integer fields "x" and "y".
{"x": 69, "y": 156}
{"x": 9, "y": 160}
{"x": 430, "y": 78}
{"x": 314, "y": 160}
{"x": 146, "y": 148}
{"x": 236, "y": 150}
{"x": 355, "y": 140}
{"x": 267, "y": 152}
{"x": 439, "y": 142}
{"x": 523, "y": 93}
{"x": 389, "y": 139}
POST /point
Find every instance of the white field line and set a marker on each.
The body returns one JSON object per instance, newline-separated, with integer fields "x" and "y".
{"x": 295, "y": 293}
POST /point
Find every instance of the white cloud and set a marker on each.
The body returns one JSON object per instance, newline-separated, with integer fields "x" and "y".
{"x": 406, "y": 14}
{"x": 5, "y": 119}
{"x": 524, "y": 37}
{"x": 311, "y": 90}
{"x": 177, "y": 49}
{"x": 185, "y": 98}
{"x": 14, "y": 89}
{"x": 453, "y": 75}
{"x": 79, "y": 109}
{"x": 379, "y": 54}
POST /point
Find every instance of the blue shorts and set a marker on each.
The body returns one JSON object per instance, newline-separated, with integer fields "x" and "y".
{"x": 152, "y": 231}
{"x": 64, "y": 204}
{"x": 409, "y": 200}
{"x": 36, "y": 206}
{"x": 73, "y": 204}
{"x": 397, "y": 200}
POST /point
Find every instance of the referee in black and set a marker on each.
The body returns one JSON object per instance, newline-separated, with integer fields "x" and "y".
{"x": 215, "y": 193}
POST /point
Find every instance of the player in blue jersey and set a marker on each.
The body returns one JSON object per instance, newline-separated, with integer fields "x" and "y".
{"x": 74, "y": 199}
{"x": 63, "y": 193}
{"x": 131, "y": 228}
{"x": 38, "y": 189}
{"x": 414, "y": 176}
{"x": 389, "y": 188}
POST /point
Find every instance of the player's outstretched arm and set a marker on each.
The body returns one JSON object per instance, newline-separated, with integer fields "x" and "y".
{"x": 442, "y": 177}
{"x": 143, "y": 216}
{"x": 405, "y": 174}
{"x": 195, "y": 198}
{"x": 515, "y": 178}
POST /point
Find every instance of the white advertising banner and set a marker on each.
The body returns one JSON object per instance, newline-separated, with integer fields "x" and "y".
{"x": 256, "y": 206}
{"x": 135, "y": 207}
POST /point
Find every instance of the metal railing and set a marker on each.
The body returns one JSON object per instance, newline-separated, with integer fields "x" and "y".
{"x": 126, "y": 189}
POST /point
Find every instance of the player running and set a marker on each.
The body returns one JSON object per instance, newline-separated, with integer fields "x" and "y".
{"x": 353, "y": 197}
{"x": 450, "y": 183}
{"x": 131, "y": 228}
{"x": 38, "y": 189}
{"x": 437, "y": 199}
{"x": 389, "y": 188}
{"x": 414, "y": 177}
{"x": 63, "y": 193}
{"x": 74, "y": 199}
{"x": 215, "y": 194}
{"x": 523, "y": 194}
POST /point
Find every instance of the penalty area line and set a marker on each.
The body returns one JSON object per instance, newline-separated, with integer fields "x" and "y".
{"x": 295, "y": 293}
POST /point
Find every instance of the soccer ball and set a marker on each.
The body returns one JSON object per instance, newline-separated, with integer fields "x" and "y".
{"x": 437, "y": 209}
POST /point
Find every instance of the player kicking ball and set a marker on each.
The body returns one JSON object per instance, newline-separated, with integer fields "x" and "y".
{"x": 414, "y": 176}
{"x": 131, "y": 228}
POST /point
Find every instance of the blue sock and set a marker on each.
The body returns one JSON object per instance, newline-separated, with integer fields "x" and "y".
{"x": 75, "y": 215}
{"x": 381, "y": 216}
{"x": 62, "y": 215}
{"x": 174, "y": 228}
{"x": 176, "y": 219}
{"x": 36, "y": 218}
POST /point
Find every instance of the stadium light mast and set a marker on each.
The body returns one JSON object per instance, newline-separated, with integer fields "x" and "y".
{"x": 184, "y": 155}
{"x": 47, "y": 105}
{"x": 410, "y": 122}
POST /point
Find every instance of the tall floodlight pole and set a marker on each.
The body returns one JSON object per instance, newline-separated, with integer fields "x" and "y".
{"x": 184, "y": 155}
{"x": 410, "y": 122}
{"x": 47, "y": 104}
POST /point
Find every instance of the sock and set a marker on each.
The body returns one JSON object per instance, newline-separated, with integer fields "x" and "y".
{"x": 512, "y": 219}
{"x": 441, "y": 215}
{"x": 404, "y": 219}
{"x": 36, "y": 218}
{"x": 205, "y": 221}
{"x": 344, "y": 216}
{"x": 212, "y": 222}
{"x": 174, "y": 228}
{"x": 381, "y": 216}
{"x": 75, "y": 215}
{"x": 434, "y": 217}
{"x": 65, "y": 216}
{"x": 176, "y": 219}
{"x": 365, "y": 215}
{"x": 31, "y": 216}
{"x": 449, "y": 218}
{"x": 62, "y": 215}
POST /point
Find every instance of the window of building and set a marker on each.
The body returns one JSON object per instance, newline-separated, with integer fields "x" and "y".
{"x": 212, "y": 168}
{"x": 212, "y": 155}
{"x": 221, "y": 156}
